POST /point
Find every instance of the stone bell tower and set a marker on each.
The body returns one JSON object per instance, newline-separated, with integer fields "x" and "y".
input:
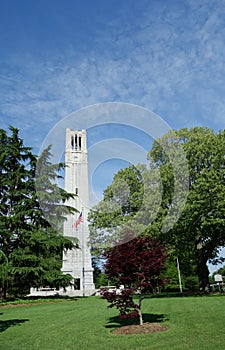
{"x": 77, "y": 262}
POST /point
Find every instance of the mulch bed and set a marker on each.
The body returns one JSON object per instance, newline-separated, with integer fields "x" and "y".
{"x": 146, "y": 328}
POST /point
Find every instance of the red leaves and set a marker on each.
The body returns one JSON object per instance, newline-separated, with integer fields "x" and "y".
{"x": 122, "y": 299}
{"x": 137, "y": 265}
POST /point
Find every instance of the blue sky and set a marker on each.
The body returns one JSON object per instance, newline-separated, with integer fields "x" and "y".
{"x": 60, "y": 56}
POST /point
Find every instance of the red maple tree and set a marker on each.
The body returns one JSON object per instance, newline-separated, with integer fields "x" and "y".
{"x": 137, "y": 265}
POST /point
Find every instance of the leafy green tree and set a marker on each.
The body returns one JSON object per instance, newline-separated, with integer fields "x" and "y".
{"x": 189, "y": 279}
{"x": 220, "y": 271}
{"x": 15, "y": 164}
{"x": 170, "y": 275}
{"x": 185, "y": 167}
{"x": 129, "y": 204}
{"x": 199, "y": 232}
{"x": 100, "y": 278}
{"x": 51, "y": 198}
{"x": 121, "y": 201}
{"x": 30, "y": 247}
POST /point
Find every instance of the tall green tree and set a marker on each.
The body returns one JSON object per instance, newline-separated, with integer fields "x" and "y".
{"x": 129, "y": 204}
{"x": 50, "y": 197}
{"x": 30, "y": 247}
{"x": 122, "y": 199}
{"x": 180, "y": 160}
{"x": 199, "y": 233}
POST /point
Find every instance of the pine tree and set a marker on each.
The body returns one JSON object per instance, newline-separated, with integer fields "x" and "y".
{"x": 31, "y": 248}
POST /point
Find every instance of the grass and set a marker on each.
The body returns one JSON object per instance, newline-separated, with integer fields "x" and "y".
{"x": 86, "y": 323}
{"x": 34, "y": 300}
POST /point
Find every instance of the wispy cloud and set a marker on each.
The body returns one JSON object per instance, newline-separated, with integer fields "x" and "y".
{"x": 168, "y": 59}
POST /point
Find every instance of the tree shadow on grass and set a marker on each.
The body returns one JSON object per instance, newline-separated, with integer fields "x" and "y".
{"x": 5, "y": 324}
{"x": 117, "y": 321}
{"x": 176, "y": 295}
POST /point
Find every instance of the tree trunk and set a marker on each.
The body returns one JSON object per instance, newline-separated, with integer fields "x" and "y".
{"x": 203, "y": 277}
{"x": 139, "y": 310}
{"x": 202, "y": 268}
{"x": 140, "y": 316}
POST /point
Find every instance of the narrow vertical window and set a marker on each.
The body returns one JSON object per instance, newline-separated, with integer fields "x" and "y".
{"x": 79, "y": 142}
{"x": 75, "y": 141}
{"x": 72, "y": 142}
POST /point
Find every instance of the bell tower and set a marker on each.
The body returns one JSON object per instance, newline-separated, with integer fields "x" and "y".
{"x": 77, "y": 262}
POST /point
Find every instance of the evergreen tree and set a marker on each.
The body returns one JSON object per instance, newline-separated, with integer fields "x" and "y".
{"x": 31, "y": 248}
{"x": 51, "y": 197}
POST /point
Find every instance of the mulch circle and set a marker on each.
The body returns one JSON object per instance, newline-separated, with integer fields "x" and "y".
{"x": 146, "y": 328}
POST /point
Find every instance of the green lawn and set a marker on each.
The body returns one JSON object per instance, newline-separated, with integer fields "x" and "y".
{"x": 86, "y": 324}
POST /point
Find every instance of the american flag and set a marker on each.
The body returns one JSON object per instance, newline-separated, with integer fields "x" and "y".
{"x": 78, "y": 221}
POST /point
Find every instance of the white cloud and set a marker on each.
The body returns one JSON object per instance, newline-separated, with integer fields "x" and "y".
{"x": 169, "y": 59}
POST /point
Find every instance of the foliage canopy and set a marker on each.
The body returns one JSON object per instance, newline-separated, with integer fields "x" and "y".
{"x": 194, "y": 235}
{"x": 137, "y": 266}
{"x": 30, "y": 248}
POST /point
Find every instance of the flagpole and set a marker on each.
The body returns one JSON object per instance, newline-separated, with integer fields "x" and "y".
{"x": 179, "y": 277}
